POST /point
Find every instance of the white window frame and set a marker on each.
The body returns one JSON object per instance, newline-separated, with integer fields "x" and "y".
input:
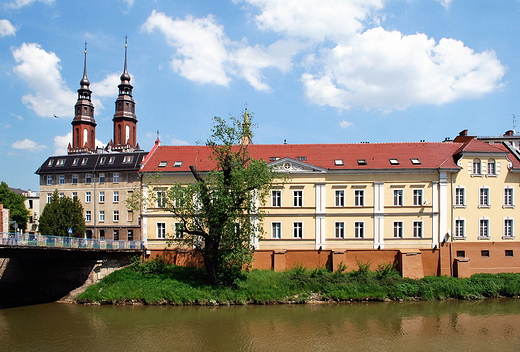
{"x": 483, "y": 197}
{"x": 116, "y": 216}
{"x": 115, "y": 178}
{"x": 62, "y": 180}
{"x": 116, "y": 197}
{"x": 491, "y": 170}
{"x": 179, "y": 230}
{"x": 298, "y": 198}
{"x": 88, "y": 179}
{"x": 418, "y": 229}
{"x": 102, "y": 177}
{"x": 509, "y": 197}
{"x": 276, "y": 198}
{"x": 102, "y": 196}
{"x": 298, "y": 229}
{"x": 509, "y": 228}
{"x": 74, "y": 179}
{"x": 74, "y": 195}
{"x": 101, "y": 216}
{"x": 418, "y": 197}
{"x": 399, "y": 197}
{"x": 359, "y": 197}
{"x": 339, "y": 197}
{"x": 88, "y": 197}
{"x": 460, "y": 196}
{"x": 476, "y": 167}
{"x": 88, "y": 216}
{"x": 161, "y": 230}
{"x": 49, "y": 180}
{"x": 49, "y": 197}
{"x": 483, "y": 228}
{"x": 339, "y": 229}
{"x": 276, "y": 230}
{"x": 359, "y": 229}
{"x": 160, "y": 199}
{"x": 460, "y": 228}
{"x": 398, "y": 229}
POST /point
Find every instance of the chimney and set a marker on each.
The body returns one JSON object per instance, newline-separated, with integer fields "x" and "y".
{"x": 463, "y": 133}
{"x": 509, "y": 133}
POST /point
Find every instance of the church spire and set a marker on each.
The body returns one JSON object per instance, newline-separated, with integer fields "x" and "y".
{"x": 125, "y": 121}
{"x": 83, "y": 124}
{"x": 246, "y": 129}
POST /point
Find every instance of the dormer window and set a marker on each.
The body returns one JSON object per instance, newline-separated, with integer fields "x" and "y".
{"x": 163, "y": 164}
{"x": 128, "y": 159}
{"x": 75, "y": 161}
{"x": 50, "y": 162}
{"x": 60, "y": 162}
{"x": 274, "y": 158}
{"x": 301, "y": 158}
{"x": 84, "y": 161}
{"x": 338, "y": 162}
{"x": 393, "y": 161}
{"x": 111, "y": 160}
{"x": 361, "y": 162}
{"x": 102, "y": 161}
{"x": 177, "y": 164}
{"x": 415, "y": 161}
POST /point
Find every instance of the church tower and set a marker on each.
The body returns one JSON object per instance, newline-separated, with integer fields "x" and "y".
{"x": 83, "y": 124}
{"x": 125, "y": 121}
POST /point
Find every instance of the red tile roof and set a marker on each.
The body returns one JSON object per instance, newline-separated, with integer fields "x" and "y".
{"x": 377, "y": 155}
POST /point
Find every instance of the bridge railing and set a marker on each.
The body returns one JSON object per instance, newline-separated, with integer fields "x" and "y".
{"x": 16, "y": 239}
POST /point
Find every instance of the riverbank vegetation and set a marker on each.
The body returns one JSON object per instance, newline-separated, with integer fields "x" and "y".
{"x": 155, "y": 282}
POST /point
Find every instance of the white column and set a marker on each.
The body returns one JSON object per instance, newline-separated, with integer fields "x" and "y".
{"x": 320, "y": 216}
{"x": 379, "y": 216}
{"x": 443, "y": 206}
{"x": 435, "y": 214}
{"x": 144, "y": 216}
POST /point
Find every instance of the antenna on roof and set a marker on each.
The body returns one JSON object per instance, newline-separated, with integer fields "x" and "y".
{"x": 158, "y": 135}
{"x": 514, "y": 123}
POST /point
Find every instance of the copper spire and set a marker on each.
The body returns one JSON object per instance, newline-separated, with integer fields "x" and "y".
{"x": 125, "y": 77}
{"x": 84, "y": 83}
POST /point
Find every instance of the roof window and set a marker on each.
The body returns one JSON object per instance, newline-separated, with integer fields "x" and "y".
{"x": 60, "y": 162}
{"x": 177, "y": 164}
{"x": 301, "y": 158}
{"x": 394, "y": 161}
{"x": 163, "y": 163}
{"x": 75, "y": 162}
{"x": 274, "y": 158}
{"x": 361, "y": 162}
{"x": 111, "y": 160}
{"x": 84, "y": 161}
{"x": 338, "y": 162}
{"x": 102, "y": 160}
{"x": 128, "y": 159}
{"x": 50, "y": 162}
{"x": 415, "y": 161}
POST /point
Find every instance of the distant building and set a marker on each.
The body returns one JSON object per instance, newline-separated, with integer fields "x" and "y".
{"x": 101, "y": 178}
{"x": 32, "y": 203}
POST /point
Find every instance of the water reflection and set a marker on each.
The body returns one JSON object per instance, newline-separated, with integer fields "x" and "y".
{"x": 420, "y": 326}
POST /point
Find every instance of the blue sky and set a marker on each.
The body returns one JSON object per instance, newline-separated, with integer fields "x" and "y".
{"x": 311, "y": 71}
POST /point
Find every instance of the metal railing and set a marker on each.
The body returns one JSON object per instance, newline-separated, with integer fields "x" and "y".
{"x": 32, "y": 240}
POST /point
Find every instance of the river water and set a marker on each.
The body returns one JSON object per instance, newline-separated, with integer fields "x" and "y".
{"x": 487, "y": 325}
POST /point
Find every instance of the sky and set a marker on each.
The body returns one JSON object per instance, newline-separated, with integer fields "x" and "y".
{"x": 309, "y": 71}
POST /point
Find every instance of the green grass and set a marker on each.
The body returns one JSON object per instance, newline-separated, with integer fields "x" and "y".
{"x": 155, "y": 282}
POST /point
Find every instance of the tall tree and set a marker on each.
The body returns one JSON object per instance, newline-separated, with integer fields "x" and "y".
{"x": 219, "y": 212}
{"x": 62, "y": 214}
{"x": 16, "y": 205}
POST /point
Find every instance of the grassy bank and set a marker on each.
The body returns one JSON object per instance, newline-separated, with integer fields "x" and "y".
{"x": 157, "y": 283}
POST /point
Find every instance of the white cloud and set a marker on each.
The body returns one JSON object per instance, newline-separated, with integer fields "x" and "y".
{"x": 445, "y": 3}
{"x": 130, "y": 3}
{"x": 6, "y": 28}
{"x": 28, "y": 145}
{"x": 21, "y": 3}
{"x": 345, "y": 124}
{"x": 387, "y": 70}
{"x": 204, "y": 54}
{"x": 61, "y": 144}
{"x": 106, "y": 87}
{"x": 41, "y": 71}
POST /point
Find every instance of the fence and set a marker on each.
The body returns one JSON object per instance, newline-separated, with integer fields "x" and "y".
{"x": 32, "y": 240}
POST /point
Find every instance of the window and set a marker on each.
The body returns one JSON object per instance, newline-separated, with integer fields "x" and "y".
{"x": 476, "y": 167}
{"x": 340, "y": 198}
{"x": 130, "y": 216}
{"x": 491, "y": 167}
{"x": 130, "y": 235}
{"x": 75, "y": 162}
{"x": 338, "y": 162}
{"x": 509, "y": 253}
{"x": 84, "y": 161}
{"x": 161, "y": 199}
{"x": 49, "y": 180}
{"x": 298, "y": 230}
{"x": 102, "y": 178}
{"x": 102, "y": 197}
{"x": 459, "y": 228}
{"x": 177, "y": 164}
{"x": 394, "y": 161}
{"x": 398, "y": 197}
{"x": 60, "y": 162}
{"x": 276, "y": 230}
{"x": 163, "y": 163}
{"x": 111, "y": 160}
{"x": 461, "y": 254}
{"x": 128, "y": 159}
{"x": 301, "y": 158}
{"x": 398, "y": 229}
{"x": 483, "y": 197}
{"x": 417, "y": 229}
{"x": 62, "y": 179}
{"x": 51, "y": 161}
{"x": 161, "y": 230}
{"x": 297, "y": 198}
{"x": 74, "y": 195}
{"x": 101, "y": 215}
{"x": 74, "y": 179}
{"x": 116, "y": 235}
{"x": 484, "y": 253}
{"x": 359, "y": 229}
{"x": 49, "y": 197}
{"x": 116, "y": 196}
{"x": 88, "y": 197}
{"x": 415, "y": 161}
{"x": 339, "y": 230}
{"x": 101, "y": 234}
{"x": 417, "y": 197}
{"x": 460, "y": 199}
{"x": 88, "y": 178}
{"x": 179, "y": 230}
{"x": 359, "y": 198}
{"x": 508, "y": 197}
{"x": 88, "y": 216}
{"x": 483, "y": 231}
{"x": 276, "y": 198}
{"x": 116, "y": 216}
{"x": 62, "y": 194}
{"x": 508, "y": 228}
{"x": 116, "y": 177}
{"x": 362, "y": 162}
{"x": 102, "y": 161}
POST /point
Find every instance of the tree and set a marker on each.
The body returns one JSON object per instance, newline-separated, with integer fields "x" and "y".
{"x": 16, "y": 205}
{"x": 219, "y": 212}
{"x": 62, "y": 214}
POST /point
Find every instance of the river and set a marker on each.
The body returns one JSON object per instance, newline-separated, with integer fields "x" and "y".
{"x": 485, "y": 325}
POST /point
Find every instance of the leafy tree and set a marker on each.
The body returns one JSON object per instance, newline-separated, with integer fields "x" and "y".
{"x": 16, "y": 205}
{"x": 219, "y": 212}
{"x": 61, "y": 214}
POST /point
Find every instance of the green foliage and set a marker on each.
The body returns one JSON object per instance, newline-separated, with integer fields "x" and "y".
{"x": 219, "y": 212}
{"x": 16, "y": 205}
{"x": 61, "y": 214}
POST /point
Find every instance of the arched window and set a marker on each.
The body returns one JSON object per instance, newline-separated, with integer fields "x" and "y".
{"x": 127, "y": 134}
{"x": 85, "y": 136}
{"x": 491, "y": 167}
{"x": 477, "y": 167}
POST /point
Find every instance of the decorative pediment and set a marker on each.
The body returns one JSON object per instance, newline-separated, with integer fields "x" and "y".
{"x": 295, "y": 166}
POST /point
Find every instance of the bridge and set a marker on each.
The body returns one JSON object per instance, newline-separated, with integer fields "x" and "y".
{"x": 38, "y": 269}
